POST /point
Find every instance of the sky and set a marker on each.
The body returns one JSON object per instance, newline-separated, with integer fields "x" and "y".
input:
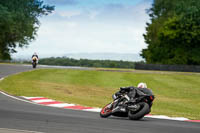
{"x": 90, "y": 26}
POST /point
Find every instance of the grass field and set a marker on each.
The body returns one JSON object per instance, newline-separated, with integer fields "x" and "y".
{"x": 177, "y": 94}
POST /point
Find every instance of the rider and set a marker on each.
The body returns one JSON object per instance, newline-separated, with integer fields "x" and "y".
{"x": 35, "y": 56}
{"x": 133, "y": 92}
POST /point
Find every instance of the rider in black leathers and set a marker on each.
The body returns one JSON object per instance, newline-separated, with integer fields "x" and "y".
{"x": 134, "y": 92}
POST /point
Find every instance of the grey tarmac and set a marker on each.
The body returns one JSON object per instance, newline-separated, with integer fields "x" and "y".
{"x": 16, "y": 116}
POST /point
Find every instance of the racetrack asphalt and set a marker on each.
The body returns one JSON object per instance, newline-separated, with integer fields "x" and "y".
{"x": 16, "y": 114}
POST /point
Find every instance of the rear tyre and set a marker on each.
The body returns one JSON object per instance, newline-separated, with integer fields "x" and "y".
{"x": 142, "y": 111}
{"x": 106, "y": 111}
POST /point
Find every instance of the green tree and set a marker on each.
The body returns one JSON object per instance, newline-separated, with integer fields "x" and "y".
{"x": 19, "y": 23}
{"x": 173, "y": 34}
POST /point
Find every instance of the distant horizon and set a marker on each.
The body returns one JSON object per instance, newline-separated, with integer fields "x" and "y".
{"x": 87, "y": 55}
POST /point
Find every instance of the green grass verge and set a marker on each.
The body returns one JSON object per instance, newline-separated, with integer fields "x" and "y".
{"x": 177, "y": 94}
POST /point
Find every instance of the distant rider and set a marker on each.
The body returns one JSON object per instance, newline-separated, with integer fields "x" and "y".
{"x": 35, "y": 56}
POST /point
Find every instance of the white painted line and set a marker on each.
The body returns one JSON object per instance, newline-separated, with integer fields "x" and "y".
{"x": 93, "y": 110}
{"x": 1, "y": 79}
{"x": 166, "y": 117}
{"x": 16, "y": 98}
{"x": 43, "y": 100}
{"x": 6, "y": 130}
{"x": 180, "y": 118}
{"x": 61, "y": 105}
{"x": 30, "y": 97}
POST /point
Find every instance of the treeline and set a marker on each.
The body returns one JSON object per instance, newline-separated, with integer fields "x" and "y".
{"x": 173, "y": 33}
{"x": 19, "y": 24}
{"x": 64, "y": 61}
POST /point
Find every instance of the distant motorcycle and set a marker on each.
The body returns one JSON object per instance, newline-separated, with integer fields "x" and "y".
{"x": 135, "y": 109}
{"x": 34, "y": 62}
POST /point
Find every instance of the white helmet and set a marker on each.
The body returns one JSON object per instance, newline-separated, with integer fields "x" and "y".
{"x": 142, "y": 85}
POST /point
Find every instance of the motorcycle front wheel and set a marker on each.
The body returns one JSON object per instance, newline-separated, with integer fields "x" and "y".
{"x": 140, "y": 113}
{"x": 106, "y": 111}
{"x": 34, "y": 64}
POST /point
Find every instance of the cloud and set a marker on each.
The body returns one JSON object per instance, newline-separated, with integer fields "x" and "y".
{"x": 68, "y": 14}
{"x": 64, "y": 37}
{"x": 114, "y": 28}
{"x": 93, "y": 14}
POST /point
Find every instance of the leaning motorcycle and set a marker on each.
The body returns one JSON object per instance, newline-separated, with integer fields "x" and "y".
{"x": 123, "y": 106}
{"x": 34, "y": 62}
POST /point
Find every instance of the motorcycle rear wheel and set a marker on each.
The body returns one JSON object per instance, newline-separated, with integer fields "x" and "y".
{"x": 143, "y": 110}
{"x": 106, "y": 111}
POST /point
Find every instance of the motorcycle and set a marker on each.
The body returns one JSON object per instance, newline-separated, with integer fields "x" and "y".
{"x": 34, "y": 62}
{"x": 134, "y": 109}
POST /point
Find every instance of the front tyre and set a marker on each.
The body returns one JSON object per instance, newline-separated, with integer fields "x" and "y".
{"x": 140, "y": 113}
{"x": 34, "y": 64}
{"x": 106, "y": 111}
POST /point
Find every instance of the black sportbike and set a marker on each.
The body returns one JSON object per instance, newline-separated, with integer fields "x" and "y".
{"x": 123, "y": 106}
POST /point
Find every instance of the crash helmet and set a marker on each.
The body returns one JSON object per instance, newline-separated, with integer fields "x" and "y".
{"x": 142, "y": 85}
